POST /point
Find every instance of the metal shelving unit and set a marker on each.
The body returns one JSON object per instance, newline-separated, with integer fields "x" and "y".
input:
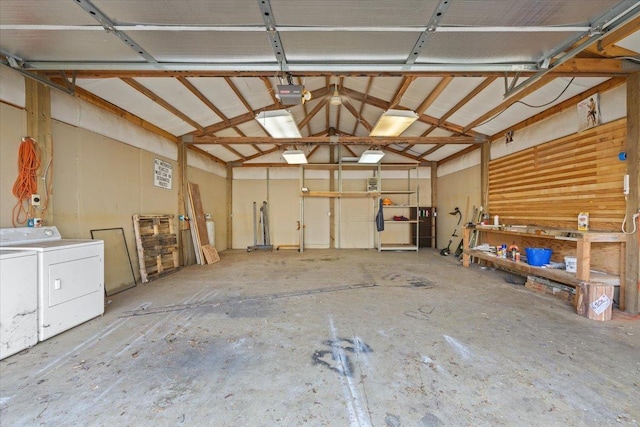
{"x": 402, "y": 213}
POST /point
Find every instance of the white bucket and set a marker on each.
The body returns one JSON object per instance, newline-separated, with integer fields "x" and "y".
{"x": 571, "y": 264}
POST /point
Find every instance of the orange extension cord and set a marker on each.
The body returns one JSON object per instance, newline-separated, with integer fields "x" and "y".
{"x": 27, "y": 182}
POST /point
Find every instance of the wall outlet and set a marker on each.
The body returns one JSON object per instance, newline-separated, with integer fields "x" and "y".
{"x": 35, "y": 200}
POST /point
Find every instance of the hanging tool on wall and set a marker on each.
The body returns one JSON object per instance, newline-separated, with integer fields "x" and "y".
{"x": 446, "y": 251}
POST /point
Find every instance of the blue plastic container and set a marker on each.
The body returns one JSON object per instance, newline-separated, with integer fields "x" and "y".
{"x": 538, "y": 256}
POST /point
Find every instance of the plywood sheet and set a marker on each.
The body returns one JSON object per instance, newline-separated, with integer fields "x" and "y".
{"x": 210, "y": 254}
{"x": 198, "y": 222}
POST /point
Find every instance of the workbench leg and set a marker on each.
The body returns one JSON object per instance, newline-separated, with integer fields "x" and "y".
{"x": 465, "y": 246}
{"x": 584, "y": 260}
{"x": 623, "y": 258}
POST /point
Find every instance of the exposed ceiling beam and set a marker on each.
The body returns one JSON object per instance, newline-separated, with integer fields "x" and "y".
{"x": 568, "y": 103}
{"x": 206, "y": 154}
{"x": 363, "y": 103}
{"x": 361, "y": 140}
{"x": 592, "y": 67}
{"x": 402, "y": 89}
{"x": 347, "y": 104}
{"x": 508, "y": 103}
{"x": 606, "y": 47}
{"x": 251, "y": 115}
{"x": 313, "y": 151}
{"x": 321, "y": 103}
{"x": 107, "y": 106}
{"x": 482, "y": 86}
{"x": 264, "y": 153}
{"x": 162, "y": 102}
{"x": 186, "y": 83}
{"x": 270, "y": 89}
{"x": 239, "y": 95}
{"x": 435, "y": 93}
{"x": 615, "y": 18}
{"x": 384, "y": 105}
{"x": 458, "y": 154}
{"x": 431, "y": 150}
{"x": 305, "y": 108}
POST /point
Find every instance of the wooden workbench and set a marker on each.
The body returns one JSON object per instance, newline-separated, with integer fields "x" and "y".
{"x": 600, "y": 255}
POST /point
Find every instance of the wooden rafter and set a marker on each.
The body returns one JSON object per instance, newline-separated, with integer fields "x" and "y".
{"x": 431, "y": 150}
{"x": 313, "y": 151}
{"x": 247, "y": 117}
{"x": 584, "y": 66}
{"x": 458, "y": 154}
{"x": 607, "y": 47}
{"x": 402, "y": 89}
{"x": 482, "y": 86}
{"x": 313, "y": 112}
{"x": 508, "y": 103}
{"x": 363, "y": 103}
{"x": 92, "y": 99}
{"x": 324, "y": 139}
{"x": 305, "y": 109}
{"x": 206, "y": 154}
{"x": 568, "y": 103}
{"x": 235, "y": 90}
{"x": 255, "y": 156}
{"x": 435, "y": 93}
{"x": 162, "y": 102}
{"x": 347, "y": 104}
{"x": 194, "y": 90}
{"x": 272, "y": 92}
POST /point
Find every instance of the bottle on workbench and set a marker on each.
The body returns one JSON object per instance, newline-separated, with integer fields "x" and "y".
{"x": 513, "y": 250}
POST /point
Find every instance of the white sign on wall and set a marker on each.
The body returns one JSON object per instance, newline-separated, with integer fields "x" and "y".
{"x": 162, "y": 172}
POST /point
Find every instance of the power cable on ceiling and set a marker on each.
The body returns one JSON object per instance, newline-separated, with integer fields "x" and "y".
{"x": 528, "y": 105}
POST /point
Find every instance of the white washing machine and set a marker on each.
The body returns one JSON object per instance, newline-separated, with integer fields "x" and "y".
{"x": 18, "y": 301}
{"x": 70, "y": 276}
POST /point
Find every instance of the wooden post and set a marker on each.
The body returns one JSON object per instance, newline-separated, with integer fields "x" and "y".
{"x": 485, "y": 154}
{"x": 38, "y": 108}
{"x": 332, "y": 187}
{"x": 182, "y": 199}
{"x": 434, "y": 202}
{"x": 466, "y": 234}
{"x": 229, "y": 205}
{"x": 632, "y": 261}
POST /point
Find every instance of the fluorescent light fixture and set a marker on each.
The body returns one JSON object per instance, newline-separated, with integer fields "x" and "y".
{"x": 350, "y": 159}
{"x": 371, "y": 156}
{"x": 393, "y": 123}
{"x": 279, "y": 124}
{"x": 295, "y": 157}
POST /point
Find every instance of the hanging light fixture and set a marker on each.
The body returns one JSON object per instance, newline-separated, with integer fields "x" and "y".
{"x": 335, "y": 98}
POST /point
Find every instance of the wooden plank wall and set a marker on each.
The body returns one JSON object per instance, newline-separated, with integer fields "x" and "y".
{"x": 550, "y": 184}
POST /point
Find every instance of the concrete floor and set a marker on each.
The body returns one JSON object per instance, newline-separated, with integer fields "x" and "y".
{"x": 330, "y": 338}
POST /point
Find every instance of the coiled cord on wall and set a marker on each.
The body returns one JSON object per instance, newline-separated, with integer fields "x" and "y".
{"x": 27, "y": 182}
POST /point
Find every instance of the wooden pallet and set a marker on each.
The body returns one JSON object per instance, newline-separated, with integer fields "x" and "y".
{"x": 157, "y": 245}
